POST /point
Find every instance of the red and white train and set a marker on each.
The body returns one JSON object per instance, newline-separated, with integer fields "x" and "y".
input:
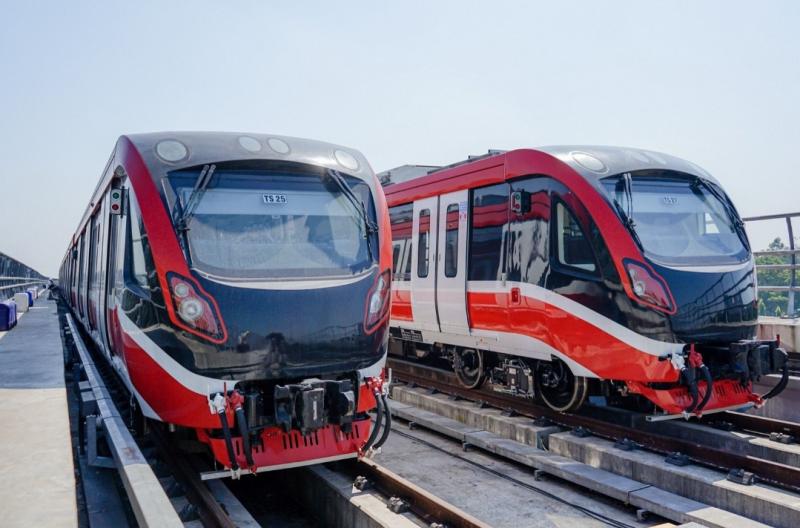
{"x": 563, "y": 272}
{"x": 239, "y": 285}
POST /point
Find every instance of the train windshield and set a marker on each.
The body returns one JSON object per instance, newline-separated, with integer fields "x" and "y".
{"x": 266, "y": 225}
{"x": 679, "y": 220}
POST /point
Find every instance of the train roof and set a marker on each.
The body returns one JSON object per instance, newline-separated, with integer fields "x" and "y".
{"x": 592, "y": 162}
{"x": 175, "y": 150}
{"x": 618, "y": 160}
{"x": 163, "y": 152}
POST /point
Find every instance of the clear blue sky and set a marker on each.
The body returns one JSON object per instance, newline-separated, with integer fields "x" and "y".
{"x": 415, "y": 82}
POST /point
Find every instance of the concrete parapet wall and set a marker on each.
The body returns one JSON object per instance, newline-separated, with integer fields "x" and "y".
{"x": 788, "y": 329}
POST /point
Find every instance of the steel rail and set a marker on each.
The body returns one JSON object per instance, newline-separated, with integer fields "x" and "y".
{"x": 425, "y": 505}
{"x": 209, "y": 510}
{"x": 776, "y": 473}
{"x": 760, "y": 424}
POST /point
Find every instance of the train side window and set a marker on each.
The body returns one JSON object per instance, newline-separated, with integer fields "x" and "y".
{"x": 405, "y": 272}
{"x": 400, "y": 218}
{"x": 423, "y": 243}
{"x": 573, "y": 248}
{"x": 451, "y": 242}
{"x": 395, "y": 256}
{"x": 489, "y": 230}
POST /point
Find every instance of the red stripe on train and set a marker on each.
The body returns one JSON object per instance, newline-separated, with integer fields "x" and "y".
{"x": 585, "y": 343}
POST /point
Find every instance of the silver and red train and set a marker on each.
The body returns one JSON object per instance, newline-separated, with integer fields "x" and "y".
{"x": 239, "y": 285}
{"x": 566, "y": 272}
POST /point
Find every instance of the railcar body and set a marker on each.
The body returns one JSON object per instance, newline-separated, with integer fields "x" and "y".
{"x": 567, "y": 271}
{"x": 239, "y": 285}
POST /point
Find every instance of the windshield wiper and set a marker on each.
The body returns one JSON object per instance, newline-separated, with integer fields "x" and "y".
{"x": 627, "y": 214}
{"x": 370, "y": 227}
{"x": 734, "y": 217}
{"x": 200, "y": 187}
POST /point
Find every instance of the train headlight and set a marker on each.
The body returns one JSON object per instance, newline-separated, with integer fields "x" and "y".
{"x": 376, "y": 300}
{"x": 190, "y": 309}
{"x": 648, "y": 288}
{"x": 377, "y": 303}
{"x": 196, "y": 312}
{"x": 181, "y": 290}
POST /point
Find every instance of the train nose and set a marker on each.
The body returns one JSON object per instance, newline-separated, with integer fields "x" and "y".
{"x": 713, "y": 306}
{"x": 295, "y": 333}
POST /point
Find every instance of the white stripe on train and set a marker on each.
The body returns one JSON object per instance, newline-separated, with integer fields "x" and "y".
{"x": 527, "y": 346}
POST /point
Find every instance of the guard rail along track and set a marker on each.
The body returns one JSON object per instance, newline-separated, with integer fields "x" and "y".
{"x": 149, "y": 501}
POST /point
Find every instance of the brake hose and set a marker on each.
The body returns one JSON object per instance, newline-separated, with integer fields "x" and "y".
{"x": 387, "y": 426}
{"x": 709, "y": 387}
{"x": 378, "y": 421}
{"x": 228, "y": 442}
{"x": 691, "y": 382}
{"x": 777, "y": 389}
{"x": 245, "y": 432}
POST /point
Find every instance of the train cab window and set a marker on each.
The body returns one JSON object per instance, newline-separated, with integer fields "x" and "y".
{"x": 573, "y": 248}
{"x": 679, "y": 219}
{"x": 276, "y": 224}
{"x": 423, "y": 243}
{"x": 139, "y": 245}
{"x": 451, "y": 242}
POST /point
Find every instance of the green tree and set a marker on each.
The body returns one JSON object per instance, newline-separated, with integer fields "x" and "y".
{"x": 773, "y": 303}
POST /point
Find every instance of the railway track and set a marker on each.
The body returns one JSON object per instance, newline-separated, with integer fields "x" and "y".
{"x": 208, "y": 510}
{"x": 181, "y": 497}
{"x": 783, "y": 475}
{"x": 761, "y": 425}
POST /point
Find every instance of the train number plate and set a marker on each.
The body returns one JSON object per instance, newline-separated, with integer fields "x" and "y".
{"x": 411, "y": 335}
{"x": 274, "y": 199}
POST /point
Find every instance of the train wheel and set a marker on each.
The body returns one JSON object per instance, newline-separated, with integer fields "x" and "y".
{"x": 558, "y": 387}
{"x": 469, "y": 367}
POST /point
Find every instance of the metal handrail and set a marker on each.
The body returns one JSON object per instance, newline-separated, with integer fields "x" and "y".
{"x": 20, "y": 285}
{"x": 777, "y": 252}
{"x": 771, "y": 217}
{"x": 792, "y": 252}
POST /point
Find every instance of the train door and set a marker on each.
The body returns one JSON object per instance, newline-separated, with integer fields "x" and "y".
{"x": 114, "y": 268}
{"x": 102, "y": 272}
{"x": 82, "y": 276}
{"x": 489, "y": 291}
{"x": 423, "y": 264}
{"x": 529, "y": 263}
{"x": 93, "y": 273}
{"x": 451, "y": 275}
